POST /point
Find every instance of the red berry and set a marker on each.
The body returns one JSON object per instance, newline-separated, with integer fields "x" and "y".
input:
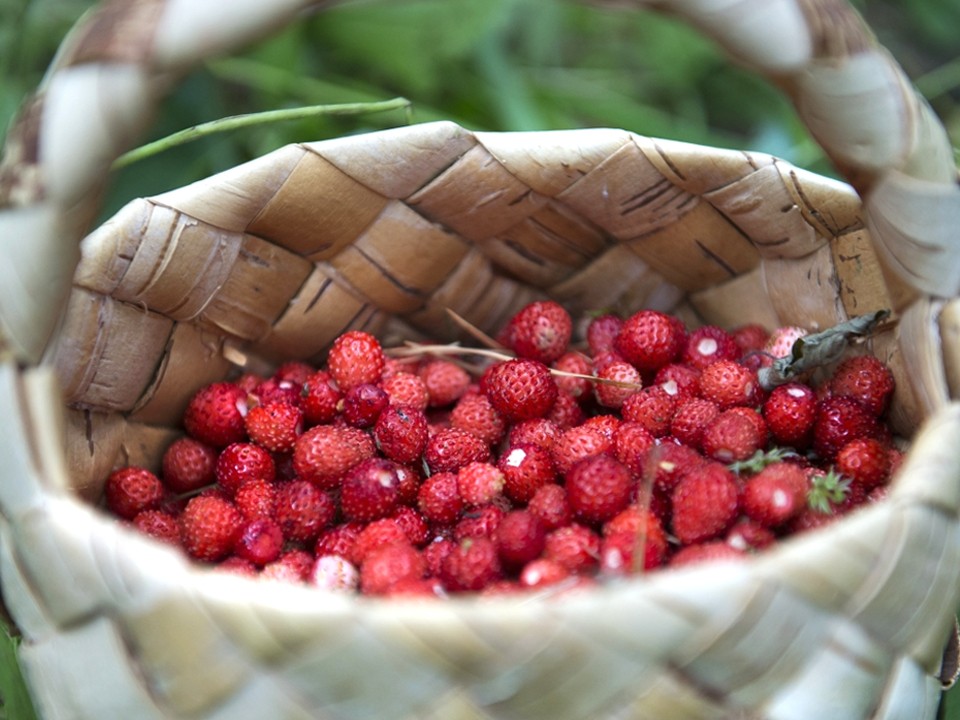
{"x": 602, "y": 333}
{"x": 598, "y": 488}
{"x": 730, "y": 437}
{"x": 775, "y": 495}
{"x": 479, "y": 522}
{"x": 413, "y": 524}
{"x": 649, "y": 340}
{"x": 747, "y": 535}
{"x": 705, "y": 552}
{"x": 631, "y": 445}
{"x": 369, "y": 490}
{"x": 401, "y": 433}
{"x": 668, "y": 462}
{"x": 691, "y": 419}
{"x": 260, "y": 542}
{"x": 520, "y": 537}
{"x": 362, "y": 405}
{"x": 708, "y": 344}
{"x": 323, "y": 454}
{"x": 256, "y": 500}
{"x": 521, "y": 389}
{"x": 215, "y": 413}
{"x": 445, "y": 381}
{"x": 624, "y": 381}
{"x": 159, "y": 525}
{"x": 576, "y": 444}
{"x": 188, "y": 465}
{"x": 575, "y": 363}
{"x": 628, "y": 531}
{"x": 574, "y": 546}
{"x": 356, "y": 357}
{"x": 525, "y": 468}
{"x": 388, "y": 565}
{"x": 549, "y": 504}
{"x": 450, "y": 449}
{"x": 132, "y": 490}
{"x": 840, "y": 420}
{"x": 865, "y": 461}
{"x": 728, "y": 383}
{"x": 538, "y": 431}
{"x": 865, "y": 379}
{"x": 274, "y": 426}
{"x": 566, "y": 411}
{"x": 789, "y": 412}
{"x": 209, "y": 527}
{"x": 303, "y": 510}
{"x": 750, "y": 338}
{"x": 241, "y": 462}
{"x": 406, "y": 389}
{"x": 439, "y": 498}
{"x": 471, "y": 565}
{"x": 543, "y": 572}
{"x": 652, "y": 407}
{"x": 475, "y": 413}
{"x": 540, "y": 331}
{"x": 479, "y": 483}
{"x": 678, "y": 380}
{"x": 705, "y": 503}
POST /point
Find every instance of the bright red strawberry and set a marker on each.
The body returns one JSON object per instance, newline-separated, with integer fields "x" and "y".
{"x": 574, "y": 546}
{"x": 260, "y": 542}
{"x": 256, "y": 500}
{"x": 865, "y": 379}
{"x": 401, "y": 433}
{"x": 131, "y": 490}
{"x": 471, "y": 565}
{"x": 369, "y": 490}
{"x": 578, "y": 443}
{"x": 481, "y": 521}
{"x": 479, "y": 483}
{"x": 538, "y": 431}
{"x": 705, "y": 552}
{"x": 450, "y": 449}
{"x": 356, "y": 357}
{"x": 540, "y": 331}
{"x": 649, "y": 340}
{"x": 159, "y": 525}
{"x": 775, "y": 495}
{"x": 215, "y": 413}
{"x": 668, "y": 462}
{"x": 598, "y": 488}
{"x": 338, "y": 540}
{"x": 319, "y": 398}
{"x": 413, "y": 524}
{"x": 730, "y": 437}
{"x": 652, "y": 407}
{"x": 705, "y": 504}
{"x": 790, "y": 411}
{"x": 520, "y": 537}
{"x": 274, "y": 390}
{"x": 566, "y": 412}
{"x": 323, "y": 454}
{"x": 521, "y": 389}
{"x": 303, "y": 510}
{"x": 439, "y": 498}
{"x": 749, "y": 536}
{"x": 241, "y": 462}
{"x": 840, "y": 420}
{"x": 865, "y": 461}
{"x": 631, "y": 445}
{"x": 549, "y": 503}
{"x": 616, "y": 382}
{"x": 388, "y": 565}
{"x": 274, "y": 426}
{"x": 475, "y": 413}
{"x": 334, "y": 572}
{"x": 188, "y": 465}
{"x": 708, "y": 344}
{"x": 680, "y": 381}
{"x": 602, "y": 332}
{"x": 209, "y": 527}
{"x": 577, "y": 364}
{"x": 628, "y": 531}
{"x": 691, "y": 419}
{"x": 362, "y": 405}
{"x": 406, "y": 389}
{"x": 445, "y": 381}
{"x": 728, "y": 383}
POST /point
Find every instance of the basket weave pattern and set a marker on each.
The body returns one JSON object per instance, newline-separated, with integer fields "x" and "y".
{"x": 384, "y": 232}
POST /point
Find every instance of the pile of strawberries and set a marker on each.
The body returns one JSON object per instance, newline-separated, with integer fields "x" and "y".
{"x": 432, "y": 470}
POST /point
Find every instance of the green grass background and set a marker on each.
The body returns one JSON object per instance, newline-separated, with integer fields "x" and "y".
{"x": 488, "y": 65}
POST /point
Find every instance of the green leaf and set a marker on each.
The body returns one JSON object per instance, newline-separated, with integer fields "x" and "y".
{"x": 13, "y": 691}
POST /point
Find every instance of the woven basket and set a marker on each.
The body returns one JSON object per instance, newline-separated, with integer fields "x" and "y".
{"x": 273, "y": 259}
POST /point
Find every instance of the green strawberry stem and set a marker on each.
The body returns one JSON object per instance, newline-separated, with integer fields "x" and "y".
{"x": 827, "y": 490}
{"x": 761, "y": 458}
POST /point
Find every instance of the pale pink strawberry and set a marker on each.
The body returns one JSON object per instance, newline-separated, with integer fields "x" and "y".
{"x": 334, "y": 572}
{"x": 781, "y": 341}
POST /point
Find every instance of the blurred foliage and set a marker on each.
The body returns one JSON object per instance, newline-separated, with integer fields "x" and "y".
{"x": 488, "y": 65}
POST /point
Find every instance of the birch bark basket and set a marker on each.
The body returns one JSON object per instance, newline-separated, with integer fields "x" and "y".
{"x": 104, "y": 335}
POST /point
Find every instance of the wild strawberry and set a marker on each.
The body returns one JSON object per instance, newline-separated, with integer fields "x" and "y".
{"x": 598, "y": 488}
{"x": 749, "y": 536}
{"x": 691, "y": 419}
{"x": 241, "y": 462}
{"x": 369, "y": 490}
{"x": 215, "y": 413}
{"x": 577, "y": 364}
{"x": 238, "y": 566}
{"x": 446, "y": 382}
{"x": 865, "y": 379}
{"x": 705, "y": 552}
{"x": 479, "y": 483}
{"x": 334, "y": 572}
{"x": 678, "y": 380}
{"x": 209, "y": 527}
{"x": 303, "y": 510}
{"x": 450, "y": 449}
{"x": 549, "y": 503}
{"x": 566, "y": 411}
{"x": 750, "y": 338}
{"x": 274, "y": 426}
{"x": 374, "y": 535}
{"x": 649, "y": 340}
{"x": 789, "y": 412}
{"x": 865, "y": 461}
{"x": 188, "y": 465}
{"x": 705, "y": 504}
{"x": 775, "y": 495}
{"x": 132, "y": 490}
{"x": 668, "y": 462}
{"x": 159, "y": 525}
{"x": 338, "y": 540}
{"x": 401, "y": 433}
{"x": 260, "y": 542}
{"x": 323, "y": 454}
{"x": 439, "y": 498}
{"x": 319, "y": 398}
{"x": 538, "y": 431}
{"x": 623, "y": 379}
{"x": 626, "y": 532}
{"x": 293, "y": 566}
{"x": 521, "y": 389}
{"x": 355, "y": 357}
{"x": 480, "y": 521}
{"x": 631, "y": 443}
{"x": 435, "y": 552}
{"x": 274, "y": 390}
{"x": 838, "y": 421}
{"x": 294, "y": 372}
{"x": 782, "y": 339}
{"x": 388, "y": 565}
{"x": 540, "y": 331}
{"x": 728, "y": 383}
{"x": 602, "y": 332}
{"x": 475, "y": 413}
{"x": 574, "y": 546}
{"x": 730, "y": 437}
{"x": 578, "y": 443}
{"x": 362, "y": 405}
{"x": 409, "y": 477}
{"x": 543, "y": 572}
{"x": 471, "y": 565}
{"x": 406, "y": 389}
{"x": 652, "y": 407}
{"x": 256, "y": 500}
{"x": 707, "y": 344}
{"x": 520, "y": 537}
{"x": 413, "y": 524}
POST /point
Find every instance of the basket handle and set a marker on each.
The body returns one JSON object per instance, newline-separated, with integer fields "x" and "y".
{"x": 116, "y": 64}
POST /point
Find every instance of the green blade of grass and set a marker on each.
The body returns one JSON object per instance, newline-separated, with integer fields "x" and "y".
{"x": 13, "y": 691}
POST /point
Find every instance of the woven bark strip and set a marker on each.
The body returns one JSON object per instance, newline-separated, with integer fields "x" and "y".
{"x": 385, "y": 232}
